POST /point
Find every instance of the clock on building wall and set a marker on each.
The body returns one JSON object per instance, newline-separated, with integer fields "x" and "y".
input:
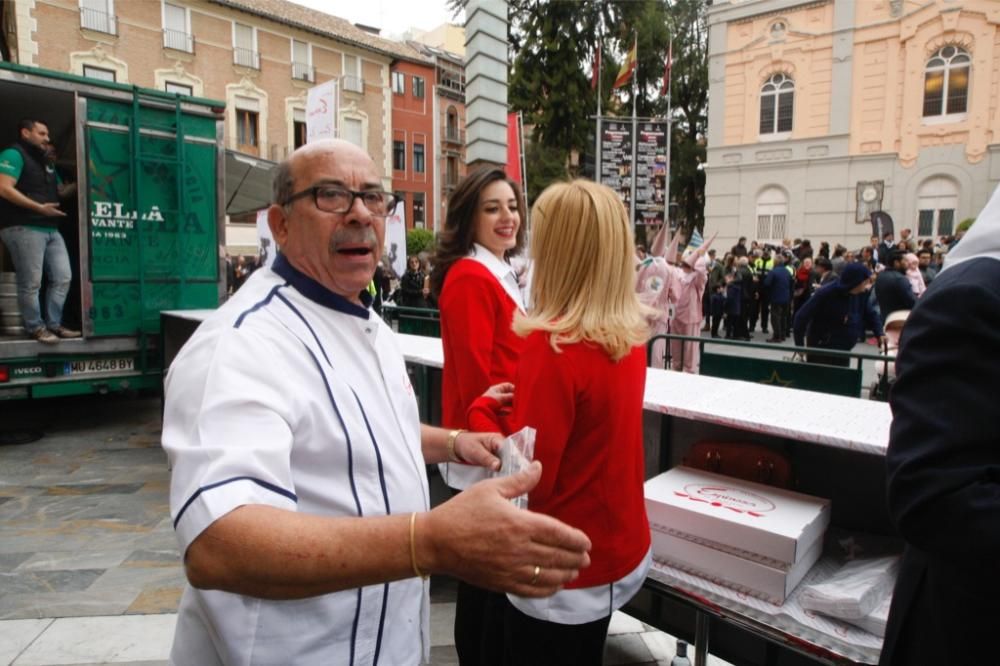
{"x": 869, "y": 198}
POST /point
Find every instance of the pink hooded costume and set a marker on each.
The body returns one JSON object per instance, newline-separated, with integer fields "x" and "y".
{"x": 655, "y": 278}
{"x": 688, "y": 316}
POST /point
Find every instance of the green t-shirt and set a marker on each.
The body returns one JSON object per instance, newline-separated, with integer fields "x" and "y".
{"x": 11, "y": 164}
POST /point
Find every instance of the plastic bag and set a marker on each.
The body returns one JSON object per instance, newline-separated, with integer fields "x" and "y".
{"x": 516, "y": 453}
{"x": 874, "y": 622}
{"x": 857, "y": 589}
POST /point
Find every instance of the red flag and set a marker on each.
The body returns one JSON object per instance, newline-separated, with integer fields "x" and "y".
{"x": 625, "y": 73}
{"x": 595, "y": 75}
{"x": 666, "y": 69}
{"x": 514, "y": 149}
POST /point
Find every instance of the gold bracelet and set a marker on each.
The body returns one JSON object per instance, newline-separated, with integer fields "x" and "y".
{"x": 413, "y": 546}
{"x": 452, "y": 436}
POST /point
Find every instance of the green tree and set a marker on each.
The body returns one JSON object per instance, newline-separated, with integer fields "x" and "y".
{"x": 419, "y": 240}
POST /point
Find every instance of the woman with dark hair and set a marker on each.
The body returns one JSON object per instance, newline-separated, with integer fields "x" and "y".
{"x": 411, "y": 285}
{"x": 478, "y": 295}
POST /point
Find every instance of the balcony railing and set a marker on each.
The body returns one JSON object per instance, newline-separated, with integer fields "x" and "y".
{"x": 454, "y": 135}
{"x": 246, "y": 57}
{"x": 353, "y": 83}
{"x": 303, "y": 71}
{"x": 178, "y": 40}
{"x": 94, "y": 19}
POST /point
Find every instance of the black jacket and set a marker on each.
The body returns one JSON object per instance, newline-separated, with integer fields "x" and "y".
{"x": 38, "y": 182}
{"x": 893, "y": 292}
{"x": 943, "y": 468}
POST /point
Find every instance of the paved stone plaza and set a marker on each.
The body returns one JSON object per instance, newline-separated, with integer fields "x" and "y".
{"x": 89, "y": 567}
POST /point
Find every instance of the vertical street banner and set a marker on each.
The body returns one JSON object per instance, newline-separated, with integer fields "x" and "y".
{"x": 266, "y": 249}
{"x": 651, "y": 173}
{"x": 616, "y": 157}
{"x": 321, "y": 111}
{"x": 514, "y": 148}
{"x": 395, "y": 239}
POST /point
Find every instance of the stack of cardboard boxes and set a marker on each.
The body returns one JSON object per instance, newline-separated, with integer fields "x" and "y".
{"x": 754, "y": 538}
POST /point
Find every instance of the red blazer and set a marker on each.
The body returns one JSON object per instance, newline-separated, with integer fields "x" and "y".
{"x": 587, "y": 410}
{"x": 480, "y": 349}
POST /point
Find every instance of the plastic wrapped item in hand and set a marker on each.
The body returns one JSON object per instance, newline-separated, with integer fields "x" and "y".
{"x": 516, "y": 453}
{"x": 857, "y": 589}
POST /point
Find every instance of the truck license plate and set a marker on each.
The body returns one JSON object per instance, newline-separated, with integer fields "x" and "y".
{"x": 101, "y": 365}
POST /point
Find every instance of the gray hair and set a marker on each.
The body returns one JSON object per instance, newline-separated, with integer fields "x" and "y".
{"x": 281, "y": 187}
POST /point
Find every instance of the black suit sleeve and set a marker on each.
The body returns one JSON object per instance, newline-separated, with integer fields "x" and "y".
{"x": 943, "y": 461}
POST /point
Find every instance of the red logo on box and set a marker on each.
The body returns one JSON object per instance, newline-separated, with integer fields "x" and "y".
{"x": 738, "y": 500}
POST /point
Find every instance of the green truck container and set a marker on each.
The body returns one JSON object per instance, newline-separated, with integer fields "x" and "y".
{"x": 143, "y": 229}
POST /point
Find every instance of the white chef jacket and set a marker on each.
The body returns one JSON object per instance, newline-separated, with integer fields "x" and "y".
{"x": 293, "y": 397}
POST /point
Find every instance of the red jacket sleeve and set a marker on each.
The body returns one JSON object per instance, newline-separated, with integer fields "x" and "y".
{"x": 469, "y": 312}
{"x": 484, "y": 416}
{"x": 545, "y": 399}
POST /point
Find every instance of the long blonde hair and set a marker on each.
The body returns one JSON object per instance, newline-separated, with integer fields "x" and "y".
{"x": 583, "y": 286}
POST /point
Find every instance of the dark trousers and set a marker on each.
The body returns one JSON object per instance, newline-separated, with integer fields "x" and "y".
{"x": 779, "y": 320}
{"x": 765, "y": 309}
{"x": 479, "y": 626}
{"x": 532, "y": 642}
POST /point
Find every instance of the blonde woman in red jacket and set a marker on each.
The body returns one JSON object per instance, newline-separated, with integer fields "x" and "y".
{"x": 478, "y": 294}
{"x": 580, "y": 383}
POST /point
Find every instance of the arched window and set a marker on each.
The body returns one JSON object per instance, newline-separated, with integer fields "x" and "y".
{"x": 772, "y": 211}
{"x": 937, "y": 200}
{"x": 946, "y": 82}
{"x": 777, "y": 99}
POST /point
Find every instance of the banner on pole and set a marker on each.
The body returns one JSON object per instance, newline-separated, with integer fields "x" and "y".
{"x": 266, "y": 249}
{"x": 649, "y": 170}
{"x": 395, "y": 239}
{"x": 321, "y": 111}
{"x": 651, "y": 173}
{"x": 616, "y": 157}
{"x": 514, "y": 149}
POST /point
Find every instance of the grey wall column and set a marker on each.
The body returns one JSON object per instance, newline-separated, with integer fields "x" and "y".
{"x": 843, "y": 50}
{"x": 486, "y": 82}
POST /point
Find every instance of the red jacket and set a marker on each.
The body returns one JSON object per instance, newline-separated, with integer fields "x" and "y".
{"x": 480, "y": 349}
{"x": 587, "y": 410}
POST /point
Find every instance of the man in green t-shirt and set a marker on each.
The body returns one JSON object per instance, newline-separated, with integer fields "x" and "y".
{"x": 29, "y": 226}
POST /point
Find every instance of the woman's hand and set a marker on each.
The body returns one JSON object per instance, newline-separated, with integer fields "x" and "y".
{"x": 503, "y": 393}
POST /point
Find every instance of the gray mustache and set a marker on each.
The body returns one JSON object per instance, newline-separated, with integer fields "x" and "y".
{"x": 348, "y": 235}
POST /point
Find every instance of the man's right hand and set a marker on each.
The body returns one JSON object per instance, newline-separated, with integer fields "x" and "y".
{"x": 480, "y": 537}
{"x": 51, "y": 210}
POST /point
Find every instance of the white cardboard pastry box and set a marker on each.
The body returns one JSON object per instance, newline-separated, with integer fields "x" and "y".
{"x": 751, "y": 577}
{"x": 756, "y": 522}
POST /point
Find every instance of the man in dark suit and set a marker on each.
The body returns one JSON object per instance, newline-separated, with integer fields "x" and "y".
{"x": 943, "y": 462}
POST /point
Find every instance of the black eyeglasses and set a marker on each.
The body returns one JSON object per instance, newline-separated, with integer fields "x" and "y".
{"x": 336, "y": 199}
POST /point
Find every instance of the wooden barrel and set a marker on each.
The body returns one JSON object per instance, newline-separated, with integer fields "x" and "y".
{"x": 10, "y": 313}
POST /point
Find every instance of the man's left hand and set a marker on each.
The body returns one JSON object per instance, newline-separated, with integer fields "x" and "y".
{"x": 479, "y": 448}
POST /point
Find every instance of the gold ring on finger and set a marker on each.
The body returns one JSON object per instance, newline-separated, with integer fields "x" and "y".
{"x": 534, "y": 578}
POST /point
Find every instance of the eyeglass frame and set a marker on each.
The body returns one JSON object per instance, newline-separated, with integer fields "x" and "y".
{"x": 355, "y": 194}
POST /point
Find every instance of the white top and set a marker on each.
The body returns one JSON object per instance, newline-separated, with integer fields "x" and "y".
{"x": 586, "y": 604}
{"x": 459, "y": 476}
{"x": 292, "y": 397}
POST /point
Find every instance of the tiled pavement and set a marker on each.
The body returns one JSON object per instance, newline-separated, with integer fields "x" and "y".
{"x": 89, "y": 568}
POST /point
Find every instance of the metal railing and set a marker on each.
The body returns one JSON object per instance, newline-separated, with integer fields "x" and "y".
{"x": 454, "y": 135}
{"x": 246, "y": 57}
{"x": 94, "y": 19}
{"x": 303, "y": 71}
{"x": 808, "y": 368}
{"x": 352, "y": 83}
{"x": 178, "y": 40}
{"x": 414, "y": 321}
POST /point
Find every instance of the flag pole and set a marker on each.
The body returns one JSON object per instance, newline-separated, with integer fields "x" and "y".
{"x": 635, "y": 90}
{"x": 670, "y": 128}
{"x": 597, "y": 142}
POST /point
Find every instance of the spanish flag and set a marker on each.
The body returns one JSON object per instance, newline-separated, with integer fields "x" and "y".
{"x": 628, "y": 67}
